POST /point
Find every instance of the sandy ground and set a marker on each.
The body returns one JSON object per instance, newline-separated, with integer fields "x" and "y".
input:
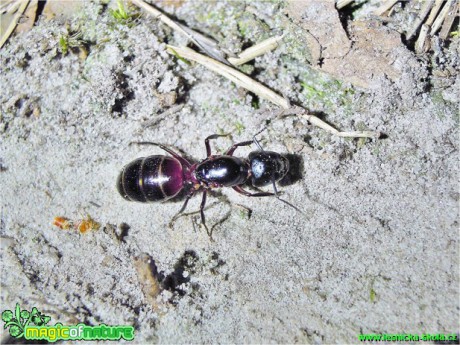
{"x": 376, "y": 250}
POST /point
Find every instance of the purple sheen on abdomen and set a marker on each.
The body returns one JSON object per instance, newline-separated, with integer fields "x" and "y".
{"x": 161, "y": 178}
{"x": 172, "y": 169}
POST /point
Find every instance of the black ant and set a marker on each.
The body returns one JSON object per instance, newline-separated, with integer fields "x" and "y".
{"x": 159, "y": 178}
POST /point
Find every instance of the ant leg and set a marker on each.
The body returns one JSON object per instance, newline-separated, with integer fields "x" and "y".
{"x": 242, "y": 191}
{"x": 208, "y": 146}
{"x": 203, "y": 219}
{"x": 172, "y": 153}
{"x": 276, "y": 195}
{"x": 184, "y": 206}
{"x": 246, "y": 143}
{"x": 233, "y": 148}
{"x": 274, "y": 188}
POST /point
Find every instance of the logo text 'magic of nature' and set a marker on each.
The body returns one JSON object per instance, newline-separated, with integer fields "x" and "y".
{"x": 33, "y": 326}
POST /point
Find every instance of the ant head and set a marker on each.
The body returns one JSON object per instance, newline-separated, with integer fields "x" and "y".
{"x": 266, "y": 167}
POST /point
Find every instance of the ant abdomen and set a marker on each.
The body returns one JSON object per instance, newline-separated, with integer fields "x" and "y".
{"x": 150, "y": 179}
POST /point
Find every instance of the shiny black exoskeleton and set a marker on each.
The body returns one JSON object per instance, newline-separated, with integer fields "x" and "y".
{"x": 159, "y": 178}
{"x": 150, "y": 179}
{"x": 266, "y": 167}
{"x": 222, "y": 171}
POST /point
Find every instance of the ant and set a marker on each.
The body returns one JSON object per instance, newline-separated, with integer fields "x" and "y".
{"x": 160, "y": 178}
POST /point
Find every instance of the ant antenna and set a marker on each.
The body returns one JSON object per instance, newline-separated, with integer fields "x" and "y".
{"x": 256, "y": 141}
{"x": 277, "y": 195}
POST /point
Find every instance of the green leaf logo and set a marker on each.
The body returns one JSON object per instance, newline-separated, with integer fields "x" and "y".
{"x": 17, "y": 321}
{"x": 7, "y": 315}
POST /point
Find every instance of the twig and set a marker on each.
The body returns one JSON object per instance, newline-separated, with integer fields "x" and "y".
{"x": 420, "y": 17}
{"x": 9, "y": 6}
{"x": 13, "y": 22}
{"x": 157, "y": 14}
{"x": 244, "y": 81}
{"x": 385, "y": 7}
{"x": 451, "y": 13}
{"x": 206, "y": 44}
{"x": 434, "y": 12}
{"x": 256, "y": 50}
{"x": 170, "y": 111}
{"x": 421, "y": 44}
{"x": 230, "y": 73}
{"x": 323, "y": 125}
{"x": 342, "y": 3}
{"x": 440, "y": 19}
{"x": 301, "y": 112}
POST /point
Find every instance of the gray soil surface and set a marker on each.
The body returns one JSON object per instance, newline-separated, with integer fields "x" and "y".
{"x": 376, "y": 249}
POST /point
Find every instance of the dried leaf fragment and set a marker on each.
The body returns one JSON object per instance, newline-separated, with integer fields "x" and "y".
{"x": 62, "y": 223}
{"x": 83, "y": 225}
{"x": 148, "y": 278}
{"x": 87, "y": 224}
